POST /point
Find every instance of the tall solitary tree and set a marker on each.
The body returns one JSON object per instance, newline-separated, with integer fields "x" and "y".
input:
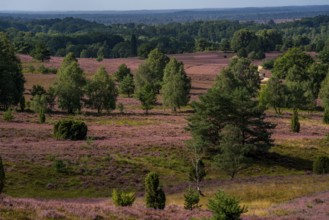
{"x": 232, "y": 100}
{"x": 101, "y": 91}
{"x": 69, "y": 84}
{"x": 11, "y": 77}
{"x": 176, "y": 85}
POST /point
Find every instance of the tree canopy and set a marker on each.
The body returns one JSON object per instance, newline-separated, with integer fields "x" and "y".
{"x": 176, "y": 85}
{"x": 69, "y": 84}
{"x": 101, "y": 91}
{"x": 231, "y": 100}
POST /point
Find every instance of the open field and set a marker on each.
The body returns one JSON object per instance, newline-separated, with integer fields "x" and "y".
{"x": 122, "y": 148}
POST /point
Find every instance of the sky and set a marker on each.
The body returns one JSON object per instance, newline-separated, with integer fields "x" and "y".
{"x": 97, "y": 5}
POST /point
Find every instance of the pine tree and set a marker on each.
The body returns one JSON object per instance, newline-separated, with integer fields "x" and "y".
{"x": 176, "y": 85}
{"x": 232, "y": 100}
{"x": 154, "y": 195}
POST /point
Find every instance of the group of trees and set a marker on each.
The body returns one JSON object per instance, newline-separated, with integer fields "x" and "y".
{"x": 159, "y": 74}
{"x": 91, "y": 40}
{"x": 298, "y": 81}
{"x": 71, "y": 89}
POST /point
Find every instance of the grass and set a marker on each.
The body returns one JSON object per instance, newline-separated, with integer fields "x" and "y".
{"x": 258, "y": 195}
{"x": 17, "y": 214}
{"x": 95, "y": 175}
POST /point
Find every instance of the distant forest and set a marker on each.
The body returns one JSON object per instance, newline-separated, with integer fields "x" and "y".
{"x": 260, "y": 15}
{"x": 90, "y": 39}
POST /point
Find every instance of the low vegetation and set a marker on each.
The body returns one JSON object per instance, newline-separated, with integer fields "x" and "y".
{"x": 123, "y": 198}
{"x": 321, "y": 165}
{"x": 71, "y": 130}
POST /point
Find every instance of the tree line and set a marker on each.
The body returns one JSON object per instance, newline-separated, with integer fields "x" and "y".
{"x": 71, "y": 90}
{"x": 91, "y": 40}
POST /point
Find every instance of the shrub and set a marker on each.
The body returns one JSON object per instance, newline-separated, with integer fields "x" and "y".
{"x": 61, "y": 167}
{"x": 191, "y": 199}
{"x": 225, "y": 207}
{"x": 70, "y": 129}
{"x": 22, "y": 103}
{"x": 268, "y": 64}
{"x": 121, "y": 108}
{"x": 123, "y": 198}
{"x": 31, "y": 69}
{"x": 2, "y": 176}
{"x": 154, "y": 195}
{"x": 321, "y": 165}
{"x": 8, "y": 115}
{"x": 326, "y": 116}
{"x": 46, "y": 70}
{"x": 295, "y": 125}
{"x": 99, "y": 59}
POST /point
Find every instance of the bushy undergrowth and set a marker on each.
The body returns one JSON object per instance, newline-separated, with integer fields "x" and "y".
{"x": 191, "y": 199}
{"x": 225, "y": 207}
{"x": 123, "y": 198}
{"x": 8, "y": 115}
{"x": 70, "y": 130}
{"x": 321, "y": 165}
{"x": 46, "y": 70}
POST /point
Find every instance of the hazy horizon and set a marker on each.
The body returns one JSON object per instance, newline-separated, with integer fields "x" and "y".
{"x": 130, "y": 5}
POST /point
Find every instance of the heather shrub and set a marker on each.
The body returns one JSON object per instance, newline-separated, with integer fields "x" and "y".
{"x": 225, "y": 207}
{"x": 191, "y": 199}
{"x": 321, "y": 165}
{"x": 70, "y": 130}
{"x": 123, "y": 198}
{"x": 8, "y": 115}
{"x": 154, "y": 195}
